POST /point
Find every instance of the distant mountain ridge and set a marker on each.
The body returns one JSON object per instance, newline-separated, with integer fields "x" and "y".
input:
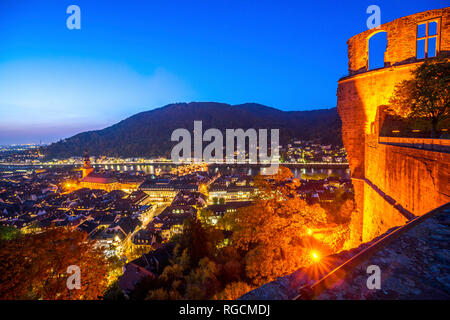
{"x": 147, "y": 134}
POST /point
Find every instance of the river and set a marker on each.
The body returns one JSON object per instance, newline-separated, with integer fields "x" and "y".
{"x": 298, "y": 169}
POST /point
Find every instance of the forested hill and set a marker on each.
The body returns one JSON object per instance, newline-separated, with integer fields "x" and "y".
{"x": 147, "y": 134}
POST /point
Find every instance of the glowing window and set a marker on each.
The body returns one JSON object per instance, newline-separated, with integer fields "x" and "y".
{"x": 427, "y": 39}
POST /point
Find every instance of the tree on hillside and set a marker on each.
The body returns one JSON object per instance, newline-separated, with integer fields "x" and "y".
{"x": 426, "y": 95}
{"x": 199, "y": 241}
{"x": 34, "y": 266}
{"x": 9, "y": 233}
{"x": 271, "y": 231}
{"x": 202, "y": 282}
{"x": 195, "y": 271}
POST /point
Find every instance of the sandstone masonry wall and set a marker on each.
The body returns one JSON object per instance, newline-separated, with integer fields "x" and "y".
{"x": 401, "y": 36}
{"x": 391, "y": 183}
{"x": 410, "y": 180}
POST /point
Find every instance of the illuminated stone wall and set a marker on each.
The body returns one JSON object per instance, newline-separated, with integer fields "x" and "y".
{"x": 410, "y": 181}
{"x": 391, "y": 182}
{"x": 401, "y": 37}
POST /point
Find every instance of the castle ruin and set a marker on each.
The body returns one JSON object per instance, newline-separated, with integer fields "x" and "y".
{"x": 395, "y": 179}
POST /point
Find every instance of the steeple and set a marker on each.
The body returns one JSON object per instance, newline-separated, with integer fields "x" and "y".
{"x": 87, "y": 167}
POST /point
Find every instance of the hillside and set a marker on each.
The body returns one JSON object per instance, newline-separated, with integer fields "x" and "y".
{"x": 147, "y": 134}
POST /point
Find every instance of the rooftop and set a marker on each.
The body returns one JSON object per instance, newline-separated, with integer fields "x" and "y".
{"x": 99, "y": 178}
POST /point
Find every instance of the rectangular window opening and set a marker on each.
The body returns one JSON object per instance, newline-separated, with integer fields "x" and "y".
{"x": 427, "y": 39}
{"x": 432, "y": 28}
{"x": 421, "y": 49}
{"x": 431, "y": 52}
{"x": 421, "y": 30}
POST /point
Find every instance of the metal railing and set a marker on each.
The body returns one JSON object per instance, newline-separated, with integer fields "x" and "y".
{"x": 441, "y": 145}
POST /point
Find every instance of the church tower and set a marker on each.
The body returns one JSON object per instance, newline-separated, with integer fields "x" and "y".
{"x": 87, "y": 167}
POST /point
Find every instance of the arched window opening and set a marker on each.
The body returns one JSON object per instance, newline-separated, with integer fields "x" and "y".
{"x": 377, "y": 48}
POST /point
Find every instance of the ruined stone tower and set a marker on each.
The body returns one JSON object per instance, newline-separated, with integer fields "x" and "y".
{"x": 393, "y": 180}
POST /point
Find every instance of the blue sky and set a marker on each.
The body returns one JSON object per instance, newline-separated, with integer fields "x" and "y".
{"x": 132, "y": 56}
